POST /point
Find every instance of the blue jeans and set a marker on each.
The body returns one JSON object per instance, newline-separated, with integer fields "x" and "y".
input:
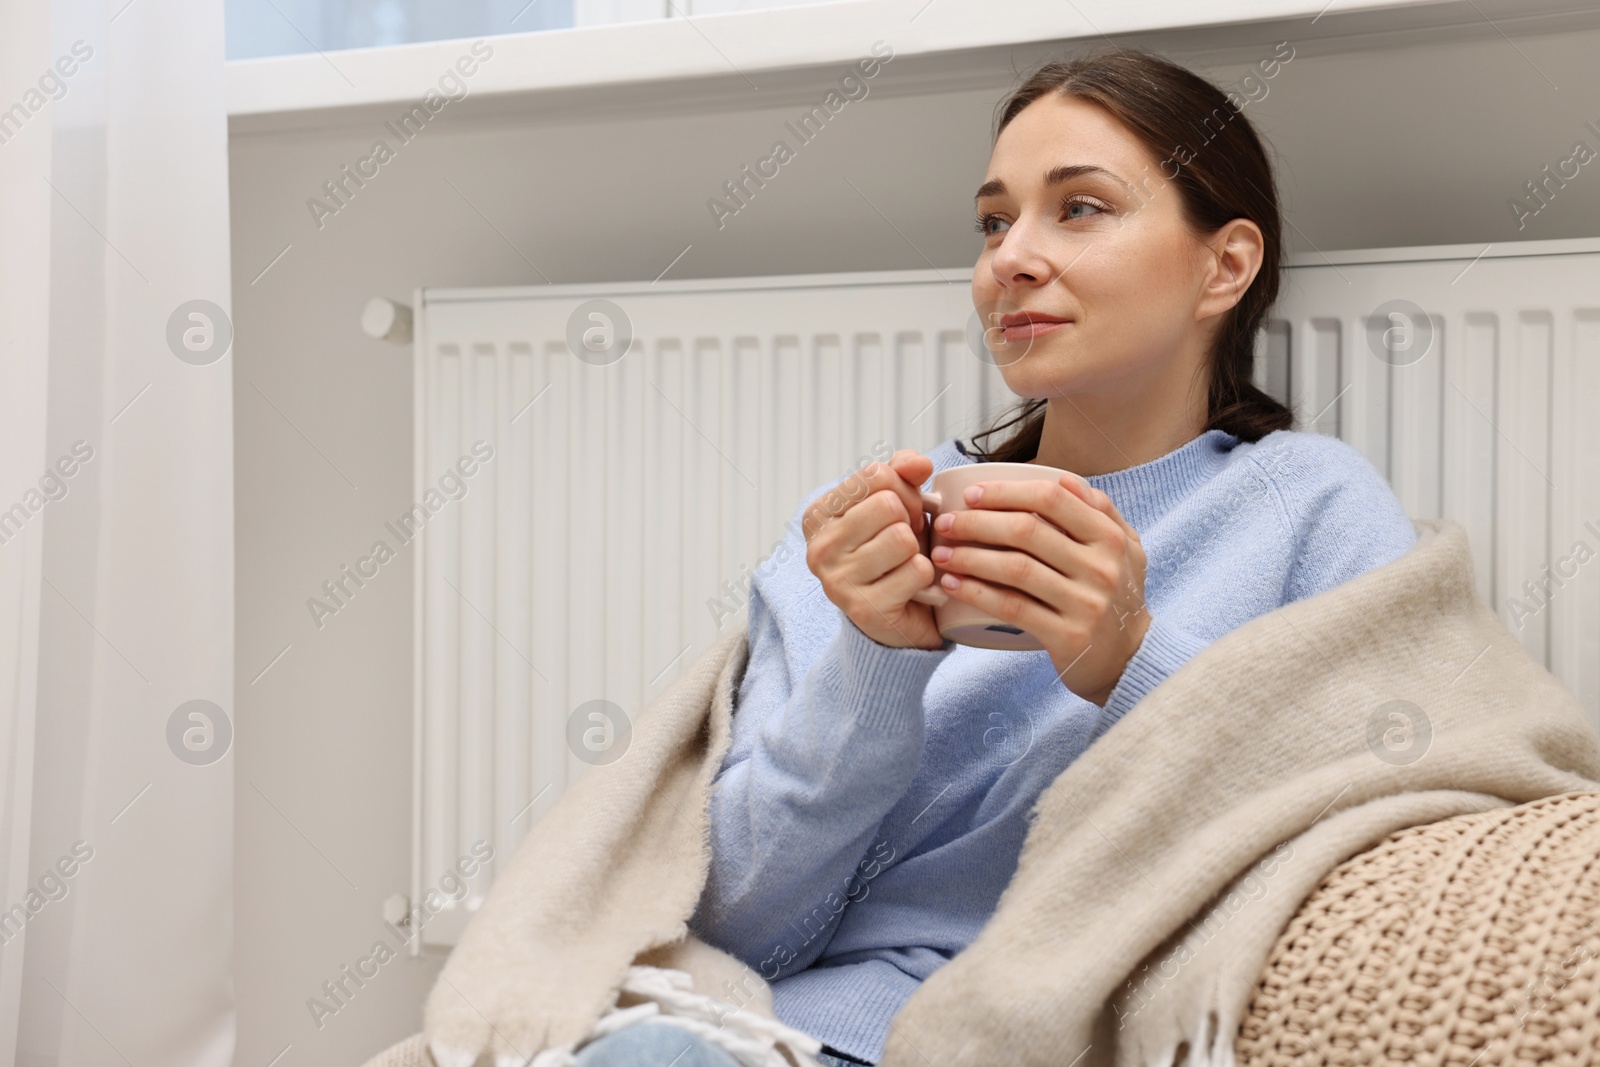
{"x": 655, "y": 1044}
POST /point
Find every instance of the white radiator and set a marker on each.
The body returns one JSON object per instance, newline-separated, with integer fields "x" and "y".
{"x": 628, "y": 499}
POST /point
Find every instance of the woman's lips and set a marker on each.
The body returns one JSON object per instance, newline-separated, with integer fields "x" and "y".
{"x": 1028, "y": 331}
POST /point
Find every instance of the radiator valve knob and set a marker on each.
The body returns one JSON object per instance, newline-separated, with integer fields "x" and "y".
{"x": 387, "y": 321}
{"x": 397, "y": 909}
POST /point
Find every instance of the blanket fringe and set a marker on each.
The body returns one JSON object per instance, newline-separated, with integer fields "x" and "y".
{"x": 1217, "y": 1050}
{"x": 1208, "y": 1043}
{"x": 752, "y": 1039}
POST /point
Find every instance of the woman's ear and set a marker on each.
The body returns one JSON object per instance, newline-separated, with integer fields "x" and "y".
{"x": 1236, "y": 254}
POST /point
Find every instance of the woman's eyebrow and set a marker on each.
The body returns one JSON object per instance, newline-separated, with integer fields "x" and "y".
{"x": 1054, "y": 176}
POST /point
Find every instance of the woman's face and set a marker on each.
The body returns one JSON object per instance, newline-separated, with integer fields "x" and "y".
{"x": 1106, "y": 250}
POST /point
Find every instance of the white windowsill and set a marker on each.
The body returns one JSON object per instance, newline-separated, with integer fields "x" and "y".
{"x": 742, "y": 44}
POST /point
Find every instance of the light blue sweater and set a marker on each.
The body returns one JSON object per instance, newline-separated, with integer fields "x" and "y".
{"x": 874, "y": 800}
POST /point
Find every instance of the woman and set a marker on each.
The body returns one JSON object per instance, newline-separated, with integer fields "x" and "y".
{"x": 876, "y": 792}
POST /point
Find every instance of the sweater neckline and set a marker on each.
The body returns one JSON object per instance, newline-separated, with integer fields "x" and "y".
{"x": 1146, "y": 491}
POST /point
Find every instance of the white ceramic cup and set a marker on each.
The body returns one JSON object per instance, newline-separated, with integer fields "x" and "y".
{"x": 958, "y": 621}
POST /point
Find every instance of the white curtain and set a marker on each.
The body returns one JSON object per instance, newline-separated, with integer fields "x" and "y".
{"x": 116, "y": 535}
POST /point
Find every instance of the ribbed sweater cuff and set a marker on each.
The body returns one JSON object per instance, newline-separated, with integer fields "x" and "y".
{"x": 884, "y": 685}
{"x": 848, "y": 1007}
{"x": 1164, "y": 649}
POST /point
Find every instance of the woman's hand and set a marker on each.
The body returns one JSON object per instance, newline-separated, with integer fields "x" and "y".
{"x": 865, "y": 541}
{"x": 1071, "y": 573}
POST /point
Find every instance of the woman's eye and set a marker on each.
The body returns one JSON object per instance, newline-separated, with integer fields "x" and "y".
{"x": 984, "y": 222}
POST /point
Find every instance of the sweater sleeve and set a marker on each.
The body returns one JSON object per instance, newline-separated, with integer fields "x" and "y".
{"x": 1344, "y": 521}
{"x": 810, "y": 773}
{"x": 1165, "y": 648}
{"x": 1349, "y": 524}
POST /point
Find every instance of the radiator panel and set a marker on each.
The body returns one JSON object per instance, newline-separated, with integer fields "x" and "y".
{"x": 539, "y": 590}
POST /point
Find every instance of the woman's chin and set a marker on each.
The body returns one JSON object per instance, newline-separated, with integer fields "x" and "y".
{"x": 1038, "y": 373}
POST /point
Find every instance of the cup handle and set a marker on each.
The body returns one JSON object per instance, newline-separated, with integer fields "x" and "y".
{"x": 934, "y": 595}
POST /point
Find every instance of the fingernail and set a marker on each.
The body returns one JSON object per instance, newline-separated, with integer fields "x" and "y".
{"x": 973, "y": 493}
{"x": 950, "y": 581}
{"x": 941, "y": 553}
{"x": 944, "y": 522}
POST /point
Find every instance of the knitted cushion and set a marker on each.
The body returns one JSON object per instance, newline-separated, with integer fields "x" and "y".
{"x": 1473, "y": 940}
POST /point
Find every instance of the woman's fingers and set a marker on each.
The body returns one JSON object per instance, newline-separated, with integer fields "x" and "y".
{"x": 1082, "y": 512}
{"x": 840, "y": 500}
{"x": 1101, "y": 501}
{"x": 862, "y": 546}
{"x": 1024, "y": 532}
{"x": 835, "y": 512}
{"x": 895, "y": 572}
{"x": 850, "y": 510}
{"x": 850, "y": 532}
{"x": 914, "y": 468}
{"x": 1004, "y": 602}
{"x": 862, "y": 530}
{"x": 1001, "y": 571}
{"x": 1045, "y": 519}
{"x": 890, "y": 547}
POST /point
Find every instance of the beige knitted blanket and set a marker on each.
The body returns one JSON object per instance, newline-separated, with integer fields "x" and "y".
{"x": 1159, "y": 869}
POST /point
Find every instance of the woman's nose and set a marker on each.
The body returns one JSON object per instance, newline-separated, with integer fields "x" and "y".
{"x": 1020, "y": 259}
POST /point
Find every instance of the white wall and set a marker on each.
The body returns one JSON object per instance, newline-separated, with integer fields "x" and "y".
{"x": 1403, "y": 140}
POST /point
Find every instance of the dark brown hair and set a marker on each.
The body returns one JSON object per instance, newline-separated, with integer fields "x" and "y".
{"x": 1176, "y": 113}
